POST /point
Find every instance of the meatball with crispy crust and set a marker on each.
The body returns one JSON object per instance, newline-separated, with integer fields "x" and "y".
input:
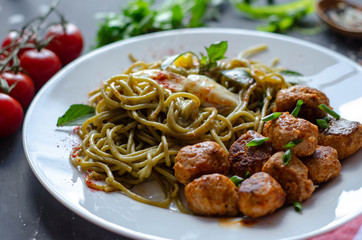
{"x": 260, "y": 195}
{"x": 202, "y": 158}
{"x": 343, "y": 135}
{"x": 293, "y": 177}
{"x": 286, "y": 101}
{"x": 323, "y": 164}
{"x": 243, "y": 159}
{"x": 212, "y": 195}
{"x": 287, "y": 128}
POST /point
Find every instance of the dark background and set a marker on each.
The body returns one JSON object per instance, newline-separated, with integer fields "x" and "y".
{"x": 27, "y": 210}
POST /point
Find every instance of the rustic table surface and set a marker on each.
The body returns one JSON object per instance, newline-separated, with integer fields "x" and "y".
{"x": 27, "y": 209}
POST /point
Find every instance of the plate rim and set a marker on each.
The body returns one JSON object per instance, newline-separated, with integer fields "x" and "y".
{"x": 118, "y": 229}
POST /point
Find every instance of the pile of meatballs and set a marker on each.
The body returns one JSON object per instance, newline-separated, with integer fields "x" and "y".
{"x": 204, "y": 167}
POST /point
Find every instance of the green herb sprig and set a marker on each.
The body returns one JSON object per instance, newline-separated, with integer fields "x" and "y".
{"x": 215, "y": 52}
{"x": 323, "y": 123}
{"x": 257, "y": 142}
{"x": 141, "y": 16}
{"x": 298, "y": 207}
{"x": 293, "y": 143}
{"x": 329, "y": 111}
{"x": 271, "y": 116}
{"x": 279, "y": 17}
{"x": 296, "y": 110}
{"x": 76, "y": 115}
{"x": 287, "y": 156}
{"x": 236, "y": 180}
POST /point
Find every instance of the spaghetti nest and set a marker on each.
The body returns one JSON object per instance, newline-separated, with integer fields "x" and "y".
{"x": 140, "y": 125}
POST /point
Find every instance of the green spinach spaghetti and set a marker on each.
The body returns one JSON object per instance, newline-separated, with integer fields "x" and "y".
{"x": 147, "y": 113}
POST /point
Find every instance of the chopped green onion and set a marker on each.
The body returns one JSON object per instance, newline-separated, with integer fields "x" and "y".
{"x": 257, "y": 142}
{"x": 236, "y": 180}
{"x": 293, "y": 143}
{"x": 329, "y": 111}
{"x": 287, "y": 156}
{"x": 289, "y": 72}
{"x": 322, "y": 123}
{"x": 297, "y": 206}
{"x": 297, "y": 108}
{"x": 247, "y": 174}
{"x": 271, "y": 116}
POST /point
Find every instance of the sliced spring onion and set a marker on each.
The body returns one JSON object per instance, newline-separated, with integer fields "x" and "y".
{"x": 293, "y": 143}
{"x": 236, "y": 180}
{"x": 271, "y": 116}
{"x": 329, "y": 111}
{"x": 322, "y": 123}
{"x": 290, "y": 72}
{"x": 287, "y": 156}
{"x": 297, "y": 108}
{"x": 247, "y": 174}
{"x": 257, "y": 142}
{"x": 297, "y": 206}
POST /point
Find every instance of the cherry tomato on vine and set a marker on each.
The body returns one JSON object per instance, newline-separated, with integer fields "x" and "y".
{"x": 13, "y": 37}
{"x": 24, "y": 89}
{"x": 40, "y": 65}
{"x": 11, "y": 115}
{"x": 66, "y": 44}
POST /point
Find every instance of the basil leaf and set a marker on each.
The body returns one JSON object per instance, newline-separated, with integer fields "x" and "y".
{"x": 296, "y": 110}
{"x": 76, "y": 115}
{"x": 329, "y": 111}
{"x": 236, "y": 180}
{"x": 168, "y": 61}
{"x": 257, "y": 142}
{"x": 238, "y": 75}
{"x": 216, "y": 51}
{"x": 287, "y": 156}
{"x": 271, "y": 116}
{"x": 293, "y": 143}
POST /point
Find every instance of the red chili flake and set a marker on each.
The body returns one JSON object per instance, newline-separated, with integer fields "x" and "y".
{"x": 76, "y": 129}
{"x": 171, "y": 51}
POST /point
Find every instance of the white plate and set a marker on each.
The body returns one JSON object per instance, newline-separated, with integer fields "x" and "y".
{"x": 47, "y": 147}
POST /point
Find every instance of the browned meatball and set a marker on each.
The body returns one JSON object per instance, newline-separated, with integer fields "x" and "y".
{"x": 343, "y": 135}
{"x": 286, "y": 101}
{"x": 287, "y": 128}
{"x": 212, "y": 195}
{"x": 202, "y": 158}
{"x": 244, "y": 159}
{"x": 293, "y": 177}
{"x": 260, "y": 195}
{"x": 323, "y": 164}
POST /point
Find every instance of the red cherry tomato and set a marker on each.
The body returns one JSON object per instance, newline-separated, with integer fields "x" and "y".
{"x": 40, "y": 65}
{"x": 24, "y": 89}
{"x": 13, "y": 37}
{"x": 66, "y": 44}
{"x": 11, "y": 115}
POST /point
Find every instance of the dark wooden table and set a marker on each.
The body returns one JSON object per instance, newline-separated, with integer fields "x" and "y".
{"x": 27, "y": 210}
